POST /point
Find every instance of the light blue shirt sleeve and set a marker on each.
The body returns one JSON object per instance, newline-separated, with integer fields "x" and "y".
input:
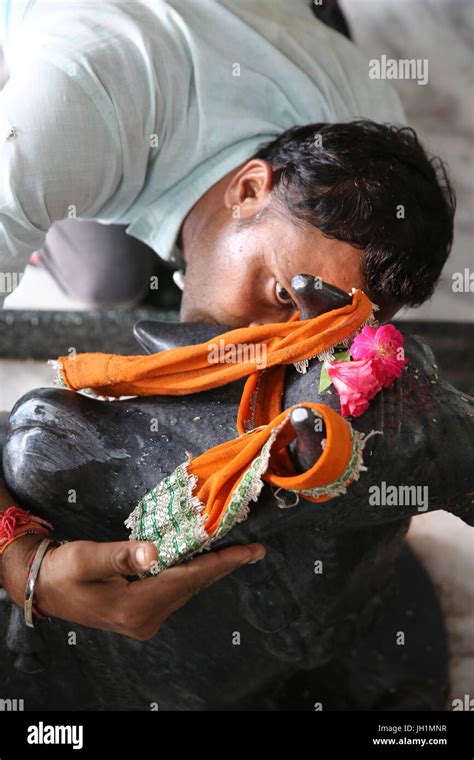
{"x": 58, "y": 159}
{"x": 77, "y": 120}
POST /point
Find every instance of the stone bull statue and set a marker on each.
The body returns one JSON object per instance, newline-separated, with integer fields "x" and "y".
{"x": 339, "y": 615}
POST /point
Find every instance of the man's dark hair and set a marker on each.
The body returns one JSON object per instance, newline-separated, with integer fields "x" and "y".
{"x": 371, "y": 185}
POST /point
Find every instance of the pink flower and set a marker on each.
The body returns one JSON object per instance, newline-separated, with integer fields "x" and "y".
{"x": 356, "y": 382}
{"x": 384, "y": 347}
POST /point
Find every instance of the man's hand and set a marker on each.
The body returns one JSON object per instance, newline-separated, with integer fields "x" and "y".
{"x": 82, "y": 582}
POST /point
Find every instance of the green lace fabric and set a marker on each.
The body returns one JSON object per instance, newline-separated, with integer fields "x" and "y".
{"x": 172, "y": 517}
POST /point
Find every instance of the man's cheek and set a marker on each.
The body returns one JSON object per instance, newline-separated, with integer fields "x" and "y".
{"x": 197, "y": 305}
{"x": 187, "y": 302}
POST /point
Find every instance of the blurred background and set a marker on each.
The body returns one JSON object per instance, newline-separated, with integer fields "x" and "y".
{"x": 441, "y": 112}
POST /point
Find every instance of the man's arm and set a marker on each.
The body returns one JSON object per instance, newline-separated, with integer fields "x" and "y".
{"x": 17, "y": 554}
{"x": 58, "y": 159}
{"x": 83, "y": 581}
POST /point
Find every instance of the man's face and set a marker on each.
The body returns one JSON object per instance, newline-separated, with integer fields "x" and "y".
{"x": 236, "y": 276}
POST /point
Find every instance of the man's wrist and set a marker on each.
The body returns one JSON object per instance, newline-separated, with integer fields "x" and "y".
{"x": 14, "y": 565}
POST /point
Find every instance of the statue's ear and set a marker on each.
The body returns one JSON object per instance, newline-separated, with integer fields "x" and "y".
{"x": 161, "y": 336}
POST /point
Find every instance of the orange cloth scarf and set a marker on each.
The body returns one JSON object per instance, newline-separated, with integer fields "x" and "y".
{"x": 220, "y": 483}
{"x": 187, "y": 369}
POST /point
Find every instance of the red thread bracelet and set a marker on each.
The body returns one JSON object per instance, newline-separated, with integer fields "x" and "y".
{"x": 15, "y": 523}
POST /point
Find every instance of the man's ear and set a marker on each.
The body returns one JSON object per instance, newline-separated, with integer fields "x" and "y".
{"x": 248, "y": 190}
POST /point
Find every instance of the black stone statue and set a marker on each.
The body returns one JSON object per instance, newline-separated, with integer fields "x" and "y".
{"x": 339, "y": 615}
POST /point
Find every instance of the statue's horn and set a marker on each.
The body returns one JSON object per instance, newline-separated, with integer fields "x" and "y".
{"x": 316, "y": 297}
{"x": 306, "y": 448}
{"x": 157, "y": 336}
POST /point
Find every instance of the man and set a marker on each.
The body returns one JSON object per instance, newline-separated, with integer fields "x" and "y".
{"x": 152, "y": 115}
{"x": 129, "y": 113}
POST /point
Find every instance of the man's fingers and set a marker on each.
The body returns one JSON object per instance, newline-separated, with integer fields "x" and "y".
{"x": 93, "y": 561}
{"x": 178, "y": 584}
{"x": 138, "y": 609}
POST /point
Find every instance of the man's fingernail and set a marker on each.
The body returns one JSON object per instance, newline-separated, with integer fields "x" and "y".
{"x": 141, "y": 557}
{"x": 256, "y": 554}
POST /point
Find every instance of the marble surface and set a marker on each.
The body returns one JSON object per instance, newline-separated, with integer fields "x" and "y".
{"x": 18, "y": 376}
{"x": 444, "y": 544}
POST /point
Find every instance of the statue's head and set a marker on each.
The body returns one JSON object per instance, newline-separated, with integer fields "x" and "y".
{"x": 421, "y": 461}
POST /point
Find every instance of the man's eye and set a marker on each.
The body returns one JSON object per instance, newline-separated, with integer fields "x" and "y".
{"x": 282, "y": 294}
